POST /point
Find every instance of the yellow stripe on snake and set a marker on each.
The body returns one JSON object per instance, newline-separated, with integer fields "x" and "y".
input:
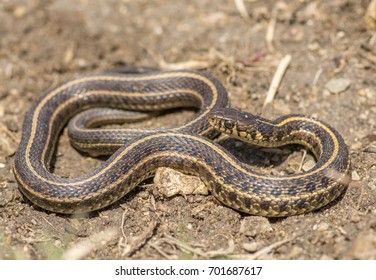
{"x": 137, "y": 153}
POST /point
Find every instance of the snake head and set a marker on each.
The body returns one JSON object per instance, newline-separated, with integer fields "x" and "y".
{"x": 239, "y": 124}
{"x": 223, "y": 119}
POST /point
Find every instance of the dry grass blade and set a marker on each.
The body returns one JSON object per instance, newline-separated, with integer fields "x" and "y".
{"x": 190, "y": 64}
{"x": 282, "y": 67}
{"x": 191, "y": 250}
{"x": 242, "y": 9}
{"x": 137, "y": 242}
{"x": 263, "y": 251}
{"x": 223, "y": 252}
{"x": 183, "y": 246}
{"x": 269, "y": 37}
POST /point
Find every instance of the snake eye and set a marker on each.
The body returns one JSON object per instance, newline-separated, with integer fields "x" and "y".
{"x": 228, "y": 124}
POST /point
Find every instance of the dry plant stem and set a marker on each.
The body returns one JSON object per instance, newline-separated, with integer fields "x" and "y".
{"x": 302, "y": 161}
{"x": 123, "y": 240}
{"x": 162, "y": 253}
{"x": 131, "y": 245}
{"x": 51, "y": 225}
{"x": 282, "y": 67}
{"x": 242, "y": 9}
{"x": 183, "y": 246}
{"x": 137, "y": 242}
{"x": 189, "y": 249}
{"x": 223, "y": 252}
{"x": 360, "y": 196}
{"x": 368, "y": 56}
{"x": 317, "y": 76}
{"x": 190, "y": 64}
{"x": 269, "y": 37}
{"x": 264, "y": 250}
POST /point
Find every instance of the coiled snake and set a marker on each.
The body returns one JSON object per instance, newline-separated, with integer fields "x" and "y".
{"x": 185, "y": 148}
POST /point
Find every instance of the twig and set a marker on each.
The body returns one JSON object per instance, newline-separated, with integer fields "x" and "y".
{"x": 277, "y": 80}
{"x": 123, "y": 240}
{"x": 160, "y": 251}
{"x": 263, "y": 251}
{"x": 181, "y": 245}
{"x": 269, "y": 37}
{"x": 369, "y": 56}
{"x": 51, "y": 225}
{"x": 302, "y": 161}
{"x": 132, "y": 244}
{"x": 317, "y": 76}
{"x": 30, "y": 240}
{"x": 190, "y": 64}
{"x": 196, "y": 251}
{"x": 242, "y": 9}
{"x": 137, "y": 242}
{"x": 222, "y": 252}
{"x": 123, "y": 223}
{"x": 360, "y": 196}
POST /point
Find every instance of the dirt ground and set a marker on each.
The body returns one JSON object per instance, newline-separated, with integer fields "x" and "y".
{"x": 45, "y": 42}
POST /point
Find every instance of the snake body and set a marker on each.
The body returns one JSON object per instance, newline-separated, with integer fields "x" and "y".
{"x": 185, "y": 148}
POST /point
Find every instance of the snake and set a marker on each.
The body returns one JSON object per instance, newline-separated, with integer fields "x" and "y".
{"x": 86, "y": 102}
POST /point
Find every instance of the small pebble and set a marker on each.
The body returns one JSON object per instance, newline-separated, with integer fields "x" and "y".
{"x": 19, "y": 11}
{"x": 308, "y": 165}
{"x": 322, "y": 226}
{"x": 250, "y": 247}
{"x": 337, "y": 85}
{"x": 355, "y": 176}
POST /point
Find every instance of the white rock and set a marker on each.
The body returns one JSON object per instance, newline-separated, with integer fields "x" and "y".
{"x": 337, "y": 85}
